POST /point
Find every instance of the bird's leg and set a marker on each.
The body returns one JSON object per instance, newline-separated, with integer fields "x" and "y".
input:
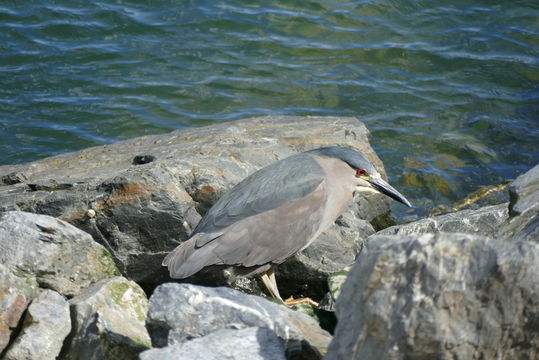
{"x": 291, "y": 302}
{"x": 268, "y": 278}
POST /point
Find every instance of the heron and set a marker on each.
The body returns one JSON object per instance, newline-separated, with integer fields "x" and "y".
{"x": 277, "y": 212}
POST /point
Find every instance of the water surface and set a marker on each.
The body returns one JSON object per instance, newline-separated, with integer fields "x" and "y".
{"x": 449, "y": 89}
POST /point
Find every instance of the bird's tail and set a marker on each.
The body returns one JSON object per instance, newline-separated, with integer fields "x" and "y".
{"x": 186, "y": 259}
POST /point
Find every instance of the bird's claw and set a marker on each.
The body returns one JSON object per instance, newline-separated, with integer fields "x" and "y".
{"x": 291, "y": 302}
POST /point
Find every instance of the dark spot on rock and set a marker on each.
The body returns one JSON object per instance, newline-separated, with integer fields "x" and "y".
{"x": 350, "y": 133}
{"x": 49, "y": 185}
{"x": 143, "y": 159}
{"x": 46, "y": 229}
{"x": 13, "y": 178}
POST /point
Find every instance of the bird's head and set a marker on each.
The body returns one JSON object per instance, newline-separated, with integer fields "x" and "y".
{"x": 367, "y": 178}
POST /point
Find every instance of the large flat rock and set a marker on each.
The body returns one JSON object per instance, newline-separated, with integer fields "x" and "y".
{"x": 142, "y": 197}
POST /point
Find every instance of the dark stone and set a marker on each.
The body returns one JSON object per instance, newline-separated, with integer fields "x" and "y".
{"x": 523, "y": 223}
{"x": 13, "y": 178}
{"x": 143, "y": 159}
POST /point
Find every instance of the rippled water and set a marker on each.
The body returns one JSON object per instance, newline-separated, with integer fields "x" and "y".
{"x": 449, "y": 89}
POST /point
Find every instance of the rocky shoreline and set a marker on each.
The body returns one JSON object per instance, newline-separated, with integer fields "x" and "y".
{"x": 82, "y": 237}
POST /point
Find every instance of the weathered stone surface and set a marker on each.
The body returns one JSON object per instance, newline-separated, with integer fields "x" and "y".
{"x": 249, "y": 343}
{"x": 524, "y": 207}
{"x": 440, "y": 296}
{"x": 142, "y": 197}
{"x": 15, "y": 294}
{"x": 485, "y": 221}
{"x": 46, "y": 324}
{"x": 179, "y": 312}
{"x": 108, "y": 322}
{"x": 58, "y": 255}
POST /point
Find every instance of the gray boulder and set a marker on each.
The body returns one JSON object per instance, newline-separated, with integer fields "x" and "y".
{"x": 142, "y": 197}
{"x": 484, "y": 221}
{"x": 523, "y": 223}
{"x": 15, "y": 295}
{"x": 440, "y": 296}
{"x": 108, "y": 322}
{"x": 249, "y": 343}
{"x": 46, "y": 324}
{"x": 54, "y": 253}
{"x": 179, "y": 312}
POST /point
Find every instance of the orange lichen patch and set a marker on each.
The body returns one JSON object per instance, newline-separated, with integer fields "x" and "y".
{"x": 15, "y": 310}
{"x": 207, "y": 190}
{"x": 128, "y": 193}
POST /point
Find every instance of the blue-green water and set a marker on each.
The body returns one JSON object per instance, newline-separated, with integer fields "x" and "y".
{"x": 449, "y": 89}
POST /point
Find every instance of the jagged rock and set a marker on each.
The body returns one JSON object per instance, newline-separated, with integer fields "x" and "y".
{"x": 15, "y": 294}
{"x": 179, "y": 312}
{"x": 58, "y": 255}
{"x": 108, "y": 322}
{"x": 485, "y": 221}
{"x": 440, "y": 296}
{"x": 524, "y": 207}
{"x": 250, "y": 343}
{"x": 46, "y": 324}
{"x": 142, "y": 197}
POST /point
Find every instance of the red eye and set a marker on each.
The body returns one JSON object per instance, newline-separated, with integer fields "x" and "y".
{"x": 360, "y": 172}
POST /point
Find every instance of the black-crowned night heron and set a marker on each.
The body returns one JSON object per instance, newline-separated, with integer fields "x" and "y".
{"x": 276, "y": 212}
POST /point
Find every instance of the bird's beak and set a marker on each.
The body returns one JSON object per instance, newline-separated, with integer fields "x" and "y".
{"x": 383, "y": 187}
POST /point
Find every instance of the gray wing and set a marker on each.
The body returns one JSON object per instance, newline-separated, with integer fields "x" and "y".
{"x": 268, "y": 188}
{"x": 268, "y": 237}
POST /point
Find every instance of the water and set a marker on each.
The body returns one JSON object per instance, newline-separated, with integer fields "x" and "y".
{"x": 449, "y": 89}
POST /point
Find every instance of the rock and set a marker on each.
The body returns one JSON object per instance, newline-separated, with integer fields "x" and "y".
{"x": 440, "y": 296}
{"x": 179, "y": 312}
{"x": 142, "y": 197}
{"x": 250, "y": 343}
{"x": 108, "y": 322}
{"x": 15, "y": 295}
{"x": 56, "y": 254}
{"x": 485, "y": 221}
{"x": 524, "y": 207}
{"x": 46, "y": 324}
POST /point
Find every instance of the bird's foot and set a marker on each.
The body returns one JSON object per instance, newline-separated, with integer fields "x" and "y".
{"x": 291, "y": 302}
